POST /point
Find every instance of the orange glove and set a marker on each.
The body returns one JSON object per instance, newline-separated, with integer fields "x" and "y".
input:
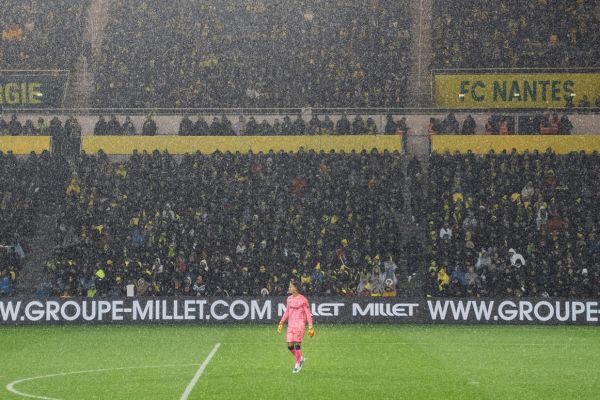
{"x": 279, "y": 328}
{"x": 311, "y": 332}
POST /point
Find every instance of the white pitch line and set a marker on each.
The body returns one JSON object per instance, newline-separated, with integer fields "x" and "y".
{"x": 199, "y": 373}
{"x": 566, "y": 344}
{"x": 11, "y": 386}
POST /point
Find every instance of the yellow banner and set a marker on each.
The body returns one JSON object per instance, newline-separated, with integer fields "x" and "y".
{"x": 482, "y": 144}
{"x": 24, "y": 144}
{"x": 243, "y": 144}
{"x": 514, "y": 90}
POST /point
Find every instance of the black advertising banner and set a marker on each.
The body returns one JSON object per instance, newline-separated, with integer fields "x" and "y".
{"x": 32, "y": 89}
{"x": 325, "y": 310}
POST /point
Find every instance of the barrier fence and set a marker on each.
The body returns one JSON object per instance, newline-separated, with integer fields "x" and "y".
{"x": 22, "y": 145}
{"x": 482, "y": 144}
{"x": 478, "y": 144}
{"x": 120, "y": 145}
{"x": 335, "y": 310}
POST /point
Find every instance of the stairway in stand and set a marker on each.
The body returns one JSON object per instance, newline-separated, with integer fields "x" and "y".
{"x": 81, "y": 82}
{"x": 39, "y": 248}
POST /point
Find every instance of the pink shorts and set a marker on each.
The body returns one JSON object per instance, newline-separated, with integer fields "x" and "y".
{"x": 294, "y": 334}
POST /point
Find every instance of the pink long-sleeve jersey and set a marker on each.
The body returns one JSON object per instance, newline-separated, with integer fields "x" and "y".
{"x": 297, "y": 312}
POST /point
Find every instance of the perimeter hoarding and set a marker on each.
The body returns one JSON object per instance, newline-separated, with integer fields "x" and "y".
{"x": 465, "y": 90}
{"x": 23, "y": 145}
{"x": 121, "y": 145}
{"x": 341, "y": 310}
{"x": 32, "y": 89}
{"x": 483, "y": 144}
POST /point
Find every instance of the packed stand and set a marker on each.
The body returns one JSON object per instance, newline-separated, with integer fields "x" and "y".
{"x": 513, "y": 33}
{"x": 513, "y": 225}
{"x": 41, "y": 34}
{"x": 226, "y": 224}
{"x": 264, "y": 53}
{"x": 27, "y": 190}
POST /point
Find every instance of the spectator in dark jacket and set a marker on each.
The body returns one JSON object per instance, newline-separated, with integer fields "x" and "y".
{"x": 314, "y": 125}
{"x": 101, "y": 128}
{"x": 14, "y": 126}
{"x": 450, "y": 125}
{"x": 343, "y": 127}
{"x": 252, "y": 128}
{"x": 565, "y": 126}
{"x": 358, "y": 126}
{"x": 327, "y": 127}
{"x": 201, "y": 127}
{"x": 390, "y": 125}
{"x": 149, "y": 128}
{"x": 113, "y": 126}
{"x": 371, "y": 126}
{"x": 299, "y": 126}
{"x": 469, "y": 126}
{"x": 216, "y": 129}
{"x": 28, "y": 129}
{"x": 186, "y": 127}
{"x": 128, "y": 128}
{"x": 287, "y": 128}
{"x": 3, "y": 126}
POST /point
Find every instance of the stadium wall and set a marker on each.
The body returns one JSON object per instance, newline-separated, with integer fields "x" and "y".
{"x": 482, "y": 144}
{"x": 23, "y": 145}
{"x": 337, "y": 310}
{"x": 120, "y": 145}
{"x": 478, "y": 144}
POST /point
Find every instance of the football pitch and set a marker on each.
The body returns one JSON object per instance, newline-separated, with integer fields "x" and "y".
{"x": 342, "y": 362}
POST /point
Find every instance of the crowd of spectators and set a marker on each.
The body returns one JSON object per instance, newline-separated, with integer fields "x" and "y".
{"x": 298, "y": 126}
{"x": 114, "y": 127}
{"x": 513, "y": 225}
{"x": 41, "y": 34}
{"x": 546, "y": 124}
{"x": 260, "y": 53}
{"x": 538, "y": 124}
{"x": 513, "y": 33}
{"x": 67, "y": 136}
{"x": 230, "y": 224}
{"x": 223, "y": 126}
{"x": 243, "y": 224}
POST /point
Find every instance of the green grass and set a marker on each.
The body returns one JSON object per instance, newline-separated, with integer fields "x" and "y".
{"x": 343, "y": 362}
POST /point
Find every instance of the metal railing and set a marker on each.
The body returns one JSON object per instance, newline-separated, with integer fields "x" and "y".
{"x": 296, "y": 111}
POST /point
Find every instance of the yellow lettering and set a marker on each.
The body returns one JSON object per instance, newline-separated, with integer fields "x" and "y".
{"x": 34, "y": 93}
{"x": 23, "y": 95}
{"x": 12, "y": 93}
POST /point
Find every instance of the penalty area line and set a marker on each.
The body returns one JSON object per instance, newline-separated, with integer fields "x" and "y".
{"x": 190, "y": 386}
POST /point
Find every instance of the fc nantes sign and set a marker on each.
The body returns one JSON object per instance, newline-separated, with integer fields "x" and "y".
{"x": 514, "y": 90}
{"x": 32, "y": 89}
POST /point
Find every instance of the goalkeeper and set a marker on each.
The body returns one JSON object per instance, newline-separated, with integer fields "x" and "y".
{"x": 297, "y": 313}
